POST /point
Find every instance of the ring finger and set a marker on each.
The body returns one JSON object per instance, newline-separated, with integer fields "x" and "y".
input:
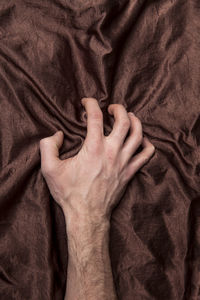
{"x": 134, "y": 140}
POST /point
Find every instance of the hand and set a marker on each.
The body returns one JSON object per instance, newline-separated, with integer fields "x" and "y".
{"x": 92, "y": 182}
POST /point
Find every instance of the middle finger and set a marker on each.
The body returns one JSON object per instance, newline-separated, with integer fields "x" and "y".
{"x": 121, "y": 125}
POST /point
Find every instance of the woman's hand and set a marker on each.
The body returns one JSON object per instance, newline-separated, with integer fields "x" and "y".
{"x": 91, "y": 183}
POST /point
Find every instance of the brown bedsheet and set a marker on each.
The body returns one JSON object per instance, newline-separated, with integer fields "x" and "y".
{"x": 144, "y": 55}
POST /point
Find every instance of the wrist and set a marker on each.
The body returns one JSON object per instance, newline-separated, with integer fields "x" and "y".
{"x": 79, "y": 220}
{"x": 86, "y": 223}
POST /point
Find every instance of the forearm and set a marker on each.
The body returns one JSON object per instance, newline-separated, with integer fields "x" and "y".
{"x": 89, "y": 273}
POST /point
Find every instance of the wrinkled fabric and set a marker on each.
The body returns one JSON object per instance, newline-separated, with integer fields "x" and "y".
{"x": 144, "y": 55}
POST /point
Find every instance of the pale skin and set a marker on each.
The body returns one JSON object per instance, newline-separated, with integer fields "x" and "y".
{"x": 87, "y": 187}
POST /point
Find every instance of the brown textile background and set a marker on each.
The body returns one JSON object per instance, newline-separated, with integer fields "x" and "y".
{"x": 143, "y": 54}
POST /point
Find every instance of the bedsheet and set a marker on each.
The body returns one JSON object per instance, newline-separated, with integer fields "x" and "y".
{"x": 144, "y": 55}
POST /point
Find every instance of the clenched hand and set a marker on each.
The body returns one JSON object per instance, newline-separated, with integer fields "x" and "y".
{"x": 91, "y": 183}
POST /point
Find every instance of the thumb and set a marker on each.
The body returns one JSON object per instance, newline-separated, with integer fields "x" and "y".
{"x": 49, "y": 150}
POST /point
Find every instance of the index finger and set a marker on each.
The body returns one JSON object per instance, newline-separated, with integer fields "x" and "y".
{"x": 94, "y": 119}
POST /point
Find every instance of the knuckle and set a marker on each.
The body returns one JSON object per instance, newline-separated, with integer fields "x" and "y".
{"x": 138, "y": 124}
{"x": 92, "y": 98}
{"x": 96, "y": 115}
{"x": 44, "y": 141}
{"x": 114, "y": 105}
{"x": 125, "y": 123}
{"x": 139, "y": 137}
{"x": 47, "y": 169}
{"x": 152, "y": 149}
{"x": 120, "y": 107}
{"x": 117, "y": 106}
